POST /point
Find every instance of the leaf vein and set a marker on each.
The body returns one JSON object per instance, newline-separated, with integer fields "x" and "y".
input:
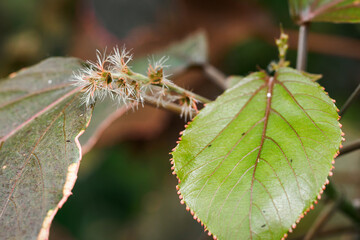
{"x": 299, "y": 105}
{"x": 222, "y": 130}
{"x": 282, "y": 185}
{"x": 287, "y": 160}
{"x": 272, "y": 200}
{"x": 302, "y": 144}
{"x": 28, "y": 158}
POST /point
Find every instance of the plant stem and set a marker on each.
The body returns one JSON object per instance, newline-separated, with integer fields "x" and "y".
{"x": 168, "y": 106}
{"x": 333, "y": 232}
{"x": 215, "y": 75}
{"x": 138, "y": 77}
{"x": 302, "y": 47}
{"x": 345, "y": 206}
{"x": 350, "y": 100}
{"x": 350, "y": 147}
{"x": 175, "y": 88}
{"x": 172, "y": 87}
{"x": 323, "y": 217}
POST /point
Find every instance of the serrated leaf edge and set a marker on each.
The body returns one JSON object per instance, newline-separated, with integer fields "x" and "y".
{"x": 72, "y": 169}
{"x": 68, "y": 186}
{"x": 293, "y": 226}
{"x": 18, "y": 128}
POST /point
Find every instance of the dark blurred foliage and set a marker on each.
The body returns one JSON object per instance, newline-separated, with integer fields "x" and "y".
{"x": 125, "y": 189}
{"x": 32, "y": 30}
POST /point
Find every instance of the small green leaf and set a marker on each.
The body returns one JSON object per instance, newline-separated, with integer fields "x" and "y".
{"x": 253, "y": 161}
{"x": 41, "y": 118}
{"x": 338, "y": 11}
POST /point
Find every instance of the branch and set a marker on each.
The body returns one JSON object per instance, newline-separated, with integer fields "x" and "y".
{"x": 333, "y": 232}
{"x": 350, "y": 147}
{"x": 215, "y": 75}
{"x": 175, "y": 88}
{"x": 171, "y": 86}
{"x": 350, "y": 100}
{"x": 345, "y": 206}
{"x": 302, "y": 47}
{"x": 321, "y": 220}
{"x": 168, "y": 106}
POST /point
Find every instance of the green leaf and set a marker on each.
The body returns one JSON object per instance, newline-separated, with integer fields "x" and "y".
{"x": 253, "y": 161}
{"x": 338, "y": 11}
{"x": 312, "y": 77}
{"x": 233, "y": 80}
{"x": 41, "y": 118}
{"x": 182, "y": 54}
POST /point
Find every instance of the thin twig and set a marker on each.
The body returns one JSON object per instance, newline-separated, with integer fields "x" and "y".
{"x": 302, "y": 47}
{"x": 340, "y": 230}
{"x": 175, "y": 88}
{"x": 333, "y": 232}
{"x": 218, "y": 77}
{"x": 171, "y": 86}
{"x": 321, "y": 220}
{"x": 168, "y": 106}
{"x": 350, "y": 100}
{"x": 350, "y": 147}
{"x": 345, "y": 206}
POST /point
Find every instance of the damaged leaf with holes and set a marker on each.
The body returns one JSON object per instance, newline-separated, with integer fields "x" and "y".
{"x": 263, "y": 158}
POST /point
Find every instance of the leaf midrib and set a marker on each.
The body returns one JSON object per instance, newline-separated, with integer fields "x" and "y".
{"x": 225, "y": 127}
{"x": 269, "y": 95}
{"x": 39, "y": 139}
{"x": 270, "y": 85}
{"x": 287, "y": 96}
{"x": 44, "y": 110}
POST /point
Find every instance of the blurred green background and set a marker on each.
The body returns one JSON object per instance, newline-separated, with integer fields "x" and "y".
{"x": 125, "y": 189}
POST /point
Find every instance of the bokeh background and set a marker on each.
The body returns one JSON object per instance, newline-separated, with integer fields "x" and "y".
{"x": 125, "y": 189}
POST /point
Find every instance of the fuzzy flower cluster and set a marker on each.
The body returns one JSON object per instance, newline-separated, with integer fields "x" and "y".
{"x": 111, "y": 76}
{"x": 108, "y": 76}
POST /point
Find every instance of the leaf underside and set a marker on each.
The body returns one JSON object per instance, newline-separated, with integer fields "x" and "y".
{"x": 256, "y": 158}
{"x": 339, "y": 11}
{"x": 41, "y": 117}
